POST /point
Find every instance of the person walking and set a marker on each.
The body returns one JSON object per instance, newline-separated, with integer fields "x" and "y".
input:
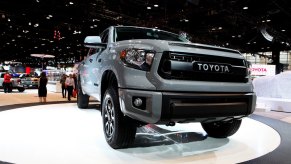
{"x": 7, "y": 82}
{"x": 70, "y": 86}
{"x": 75, "y": 89}
{"x": 42, "y": 90}
{"x": 63, "y": 83}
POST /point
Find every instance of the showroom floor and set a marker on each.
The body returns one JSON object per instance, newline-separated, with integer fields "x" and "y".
{"x": 50, "y": 134}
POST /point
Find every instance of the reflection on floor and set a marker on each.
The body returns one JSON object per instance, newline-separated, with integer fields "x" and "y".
{"x": 62, "y": 133}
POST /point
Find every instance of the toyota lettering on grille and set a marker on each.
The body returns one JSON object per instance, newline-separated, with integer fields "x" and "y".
{"x": 211, "y": 67}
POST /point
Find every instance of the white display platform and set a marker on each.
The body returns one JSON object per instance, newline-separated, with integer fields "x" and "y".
{"x": 53, "y": 86}
{"x": 273, "y": 92}
{"x": 62, "y": 133}
{"x": 275, "y": 104}
{"x": 278, "y": 86}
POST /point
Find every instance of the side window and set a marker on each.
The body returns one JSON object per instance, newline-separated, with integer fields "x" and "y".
{"x": 92, "y": 51}
{"x": 104, "y": 36}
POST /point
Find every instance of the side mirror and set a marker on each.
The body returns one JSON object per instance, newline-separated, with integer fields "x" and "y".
{"x": 94, "y": 42}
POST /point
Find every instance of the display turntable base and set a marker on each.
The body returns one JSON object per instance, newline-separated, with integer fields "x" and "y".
{"x": 62, "y": 133}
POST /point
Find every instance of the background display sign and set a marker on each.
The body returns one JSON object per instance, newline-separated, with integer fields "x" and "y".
{"x": 263, "y": 70}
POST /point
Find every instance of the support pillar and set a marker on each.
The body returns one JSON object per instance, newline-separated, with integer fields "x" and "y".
{"x": 276, "y": 57}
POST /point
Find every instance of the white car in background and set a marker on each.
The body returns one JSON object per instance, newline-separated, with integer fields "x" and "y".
{"x": 15, "y": 83}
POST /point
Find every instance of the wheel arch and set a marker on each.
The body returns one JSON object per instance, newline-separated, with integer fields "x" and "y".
{"x": 108, "y": 79}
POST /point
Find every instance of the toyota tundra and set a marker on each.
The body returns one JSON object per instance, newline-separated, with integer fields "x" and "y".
{"x": 150, "y": 76}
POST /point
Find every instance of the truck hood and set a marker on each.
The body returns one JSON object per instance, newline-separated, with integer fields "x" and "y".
{"x": 182, "y": 47}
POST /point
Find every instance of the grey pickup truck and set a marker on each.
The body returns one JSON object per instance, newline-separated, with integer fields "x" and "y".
{"x": 150, "y": 76}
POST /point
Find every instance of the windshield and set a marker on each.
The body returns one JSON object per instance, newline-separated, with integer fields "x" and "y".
{"x": 128, "y": 33}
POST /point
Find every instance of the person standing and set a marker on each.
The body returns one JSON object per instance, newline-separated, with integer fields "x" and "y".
{"x": 7, "y": 82}
{"x": 70, "y": 86}
{"x": 63, "y": 83}
{"x": 75, "y": 89}
{"x": 42, "y": 90}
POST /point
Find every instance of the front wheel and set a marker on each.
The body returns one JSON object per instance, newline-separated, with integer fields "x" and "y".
{"x": 119, "y": 130}
{"x": 221, "y": 129}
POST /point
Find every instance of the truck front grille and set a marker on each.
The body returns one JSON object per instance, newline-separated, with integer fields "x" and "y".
{"x": 199, "y": 67}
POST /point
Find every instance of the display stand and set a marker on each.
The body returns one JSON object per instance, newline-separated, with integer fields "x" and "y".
{"x": 54, "y": 86}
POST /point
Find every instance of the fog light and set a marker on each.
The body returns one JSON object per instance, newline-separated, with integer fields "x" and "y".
{"x": 137, "y": 102}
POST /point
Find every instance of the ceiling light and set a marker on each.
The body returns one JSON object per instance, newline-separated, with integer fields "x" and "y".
{"x": 3, "y": 16}
{"x": 13, "y": 40}
{"x": 18, "y": 36}
{"x": 219, "y": 28}
{"x": 283, "y": 30}
{"x": 186, "y": 20}
{"x": 227, "y": 44}
{"x": 37, "y": 1}
{"x": 263, "y": 21}
{"x": 35, "y": 47}
{"x": 156, "y": 5}
{"x": 36, "y": 25}
{"x": 29, "y": 23}
{"x": 43, "y": 44}
{"x": 246, "y": 7}
{"x": 233, "y": 36}
{"x": 71, "y": 3}
{"x": 7, "y": 43}
{"x": 268, "y": 20}
{"x": 149, "y": 7}
{"x": 8, "y": 20}
{"x": 248, "y": 43}
{"x": 239, "y": 36}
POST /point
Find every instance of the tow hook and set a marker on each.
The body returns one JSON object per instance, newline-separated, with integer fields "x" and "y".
{"x": 170, "y": 124}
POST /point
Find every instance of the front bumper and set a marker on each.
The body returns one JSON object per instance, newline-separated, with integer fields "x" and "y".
{"x": 164, "y": 107}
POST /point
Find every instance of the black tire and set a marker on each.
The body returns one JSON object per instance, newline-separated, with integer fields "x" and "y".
{"x": 119, "y": 130}
{"x": 221, "y": 129}
{"x": 82, "y": 99}
{"x": 21, "y": 89}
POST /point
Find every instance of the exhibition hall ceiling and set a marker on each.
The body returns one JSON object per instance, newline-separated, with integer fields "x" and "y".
{"x": 58, "y": 27}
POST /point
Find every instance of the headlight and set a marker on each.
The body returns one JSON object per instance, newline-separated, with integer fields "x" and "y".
{"x": 137, "y": 58}
{"x": 248, "y": 68}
